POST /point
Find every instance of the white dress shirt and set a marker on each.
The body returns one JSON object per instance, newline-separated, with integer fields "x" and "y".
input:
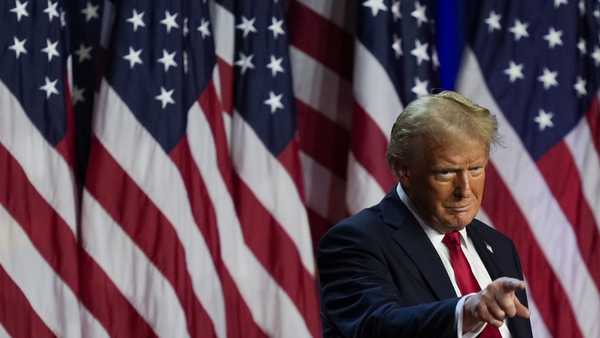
{"x": 477, "y": 266}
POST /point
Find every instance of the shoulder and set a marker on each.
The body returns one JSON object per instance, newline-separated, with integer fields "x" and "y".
{"x": 360, "y": 227}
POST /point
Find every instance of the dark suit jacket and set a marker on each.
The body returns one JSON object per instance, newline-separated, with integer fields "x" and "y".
{"x": 381, "y": 276}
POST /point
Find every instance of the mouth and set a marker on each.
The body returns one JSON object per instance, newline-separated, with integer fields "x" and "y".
{"x": 460, "y": 208}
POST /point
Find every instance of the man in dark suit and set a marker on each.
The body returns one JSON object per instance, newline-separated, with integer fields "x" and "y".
{"x": 418, "y": 264}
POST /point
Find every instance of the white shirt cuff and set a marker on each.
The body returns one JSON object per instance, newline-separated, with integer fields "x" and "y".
{"x": 459, "y": 321}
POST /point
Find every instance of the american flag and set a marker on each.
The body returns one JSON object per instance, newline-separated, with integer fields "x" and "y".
{"x": 537, "y": 65}
{"x": 222, "y": 129}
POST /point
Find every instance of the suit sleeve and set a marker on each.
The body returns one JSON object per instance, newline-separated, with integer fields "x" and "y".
{"x": 360, "y": 299}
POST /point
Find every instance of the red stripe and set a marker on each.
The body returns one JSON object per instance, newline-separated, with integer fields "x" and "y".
{"x": 324, "y": 140}
{"x": 56, "y": 243}
{"x": 593, "y": 119}
{"x": 321, "y": 39}
{"x": 549, "y": 295}
{"x": 226, "y": 75}
{"x": 290, "y": 161}
{"x": 369, "y": 145}
{"x": 318, "y": 225}
{"x": 239, "y": 319}
{"x": 17, "y": 316}
{"x": 141, "y": 219}
{"x": 265, "y": 237}
{"x": 561, "y": 173}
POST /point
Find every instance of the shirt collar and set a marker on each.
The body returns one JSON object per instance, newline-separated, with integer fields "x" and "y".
{"x": 433, "y": 235}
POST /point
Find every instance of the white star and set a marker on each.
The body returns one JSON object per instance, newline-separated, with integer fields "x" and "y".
{"x": 548, "y": 78}
{"x": 137, "y": 20}
{"x": 51, "y": 49}
{"x": 420, "y": 87}
{"x": 186, "y": 27}
{"x": 514, "y": 71}
{"x": 168, "y": 60}
{"x": 596, "y": 56}
{"x": 557, "y": 3}
{"x": 493, "y": 21}
{"x": 203, "y": 28}
{"x": 84, "y": 53}
{"x": 275, "y": 27}
{"x": 597, "y": 13}
{"x": 247, "y": 26}
{"x": 18, "y": 46}
{"x": 90, "y": 11}
{"x": 553, "y": 37}
{"x": 581, "y": 46}
{"x": 245, "y": 62}
{"x": 20, "y": 9}
{"x": 419, "y": 13}
{"x": 397, "y": 46}
{"x": 375, "y": 6}
{"x": 420, "y": 52}
{"x": 580, "y": 86}
{"x": 77, "y": 95}
{"x": 165, "y": 97}
{"x": 544, "y": 119}
{"x": 275, "y": 65}
{"x": 274, "y": 101}
{"x": 133, "y": 57}
{"x": 581, "y": 7}
{"x": 396, "y": 13}
{"x": 519, "y": 29}
{"x": 49, "y": 87}
{"x": 169, "y": 21}
{"x": 51, "y": 10}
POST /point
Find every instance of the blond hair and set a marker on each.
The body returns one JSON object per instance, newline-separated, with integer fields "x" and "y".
{"x": 439, "y": 116}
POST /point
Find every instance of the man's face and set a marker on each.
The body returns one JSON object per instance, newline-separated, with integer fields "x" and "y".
{"x": 446, "y": 182}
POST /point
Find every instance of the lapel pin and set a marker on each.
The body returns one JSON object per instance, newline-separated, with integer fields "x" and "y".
{"x": 489, "y": 248}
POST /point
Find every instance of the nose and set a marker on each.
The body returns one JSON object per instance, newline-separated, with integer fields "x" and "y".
{"x": 462, "y": 185}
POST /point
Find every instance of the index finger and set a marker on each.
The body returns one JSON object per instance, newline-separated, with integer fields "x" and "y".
{"x": 511, "y": 284}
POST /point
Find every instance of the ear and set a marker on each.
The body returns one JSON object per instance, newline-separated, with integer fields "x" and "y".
{"x": 403, "y": 174}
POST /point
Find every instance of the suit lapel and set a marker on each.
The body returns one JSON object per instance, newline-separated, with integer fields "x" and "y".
{"x": 412, "y": 239}
{"x": 485, "y": 251}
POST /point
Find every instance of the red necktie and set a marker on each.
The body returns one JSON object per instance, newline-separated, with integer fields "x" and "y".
{"x": 464, "y": 276}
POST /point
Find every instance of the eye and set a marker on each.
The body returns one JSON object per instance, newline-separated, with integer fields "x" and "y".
{"x": 443, "y": 175}
{"x": 477, "y": 171}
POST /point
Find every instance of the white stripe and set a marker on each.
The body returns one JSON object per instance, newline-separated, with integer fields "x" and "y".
{"x": 224, "y": 23}
{"x": 38, "y": 159}
{"x": 135, "y": 276}
{"x": 544, "y": 215}
{"x": 580, "y": 143}
{"x": 374, "y": 90}
{"x": 537, "y": 322}
{"x": 324, "y": 190}
{"x": 363, "y": 190}
{"x": 272, "y": 186}
{"x": 341, "y": 13}
{"x": 270, "y": 306}
{"x": 3, "y": 333}
{"x": 327, "y": 93}
{"x": 136, "y": 150}
{"x": 49, "y": 296}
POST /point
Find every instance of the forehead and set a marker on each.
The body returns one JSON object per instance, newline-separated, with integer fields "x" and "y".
{"x": 455, "y": 151}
